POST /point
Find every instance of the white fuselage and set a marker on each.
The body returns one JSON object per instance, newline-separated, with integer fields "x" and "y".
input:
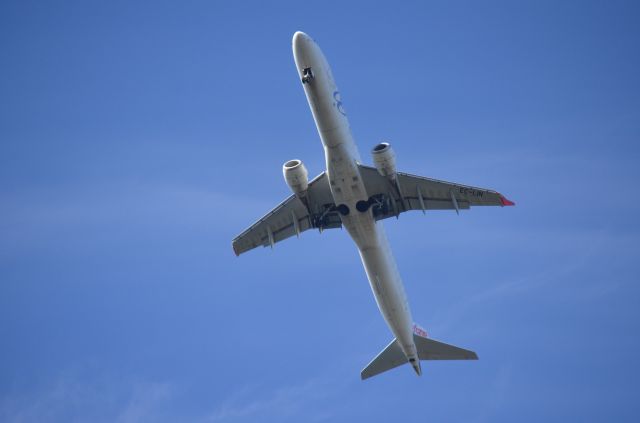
{"x": 347, "y": 188}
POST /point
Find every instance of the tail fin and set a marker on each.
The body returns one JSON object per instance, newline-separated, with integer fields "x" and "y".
{"x": 428, "y": 349}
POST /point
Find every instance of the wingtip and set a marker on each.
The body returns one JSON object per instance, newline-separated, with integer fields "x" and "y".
{"x": 505, "y": 201}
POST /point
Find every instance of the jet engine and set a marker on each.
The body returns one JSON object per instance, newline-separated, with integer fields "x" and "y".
{"x": 385, "y": 160}
{"x": 296, "y": 176}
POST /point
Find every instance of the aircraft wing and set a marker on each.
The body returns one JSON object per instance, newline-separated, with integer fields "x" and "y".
{"x": 291, "y": 217}
{"x": 419, "y": 193}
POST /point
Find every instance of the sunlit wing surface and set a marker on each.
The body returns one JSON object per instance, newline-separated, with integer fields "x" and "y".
{"x": 413, "y": 192}
{"x": 291, "y": 217}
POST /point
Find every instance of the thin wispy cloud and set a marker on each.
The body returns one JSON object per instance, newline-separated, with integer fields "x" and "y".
{"x": 73, "y": 398}
{"x": 556, "y": 273}
{"x": 300, "y": 402}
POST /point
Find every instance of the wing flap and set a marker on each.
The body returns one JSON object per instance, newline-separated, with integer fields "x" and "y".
{"x": 435, "y": 204}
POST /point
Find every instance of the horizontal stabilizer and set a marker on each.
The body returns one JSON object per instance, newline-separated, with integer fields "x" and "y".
{"x": 392, "y": 356}
{"x": 429, "y": 349}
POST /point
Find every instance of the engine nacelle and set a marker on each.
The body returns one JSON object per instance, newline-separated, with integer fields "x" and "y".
{"x": 384, "y": 159}
{"x": 296, "y": 176}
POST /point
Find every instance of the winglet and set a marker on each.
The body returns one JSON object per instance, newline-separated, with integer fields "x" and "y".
{"x": 506, "y": 202}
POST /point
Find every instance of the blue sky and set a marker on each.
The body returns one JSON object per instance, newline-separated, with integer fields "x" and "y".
{"x": 138, "y": 138}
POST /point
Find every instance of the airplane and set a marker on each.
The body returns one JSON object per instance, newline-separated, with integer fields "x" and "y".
{"x": 357, "y": 197}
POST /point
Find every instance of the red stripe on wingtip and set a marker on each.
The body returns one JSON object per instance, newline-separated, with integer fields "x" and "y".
{"x": 506, "y": 202}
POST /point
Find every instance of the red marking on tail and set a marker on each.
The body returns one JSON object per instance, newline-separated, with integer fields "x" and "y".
{"x": 419, "y": 331}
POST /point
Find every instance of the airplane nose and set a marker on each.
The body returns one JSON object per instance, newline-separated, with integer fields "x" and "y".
{"x": 302, "y": 49}
{"x": 299, "y": 38}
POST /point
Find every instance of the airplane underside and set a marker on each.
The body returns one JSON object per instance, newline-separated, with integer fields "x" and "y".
{"x": 357, "y": 197}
